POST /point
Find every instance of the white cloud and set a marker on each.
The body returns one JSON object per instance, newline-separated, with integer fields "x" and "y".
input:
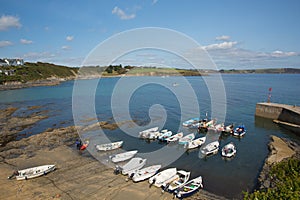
{"x": 223, "y": 38}
{"x": 24, "y": 41}
{"x": 65, "y": 47}
{"x": 5, "y": 43}
{"x": 38, "y": 56}
{"x": 121, "y": 14}
{"x": 223, "y": 45}
{"x": 154, "y": 2}
{"x": 69, "y": 37}
{"x": 281, "y": 54}
{"x": 7, "y": 22}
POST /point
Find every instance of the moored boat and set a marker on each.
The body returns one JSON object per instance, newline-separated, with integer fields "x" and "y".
{"x": 175, "y": 137}
{"x": 144, "y": 173}
{"x": 191, "y": 121}
{"x": 186, "y": 139}
{"x": 109, "y": 146}
{"x": 163, "y": 177}
{"x": 181, "y": 178}
{"x": 133, "y": 165}
{"x": 165, "y": 135}
{"x": 189, "y": 188}
{"x": 123, "y": 156}
{"x": 240, "y": 131}
{"x": 228, "y": 129}
{"x": 196, "y": 143}
{"x": 143, "y": 133}
{"x": 34, "y": 172}
{"x": 211, "y": 148}
{"x": 229, "y": 150}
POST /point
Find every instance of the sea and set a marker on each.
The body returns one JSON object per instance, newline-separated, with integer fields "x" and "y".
{"x": 138, "y": 103}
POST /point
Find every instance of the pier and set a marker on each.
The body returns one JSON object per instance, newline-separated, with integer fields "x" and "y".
{"x": 287, "y": 116}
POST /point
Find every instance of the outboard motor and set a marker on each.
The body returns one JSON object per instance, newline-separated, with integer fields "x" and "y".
{"x": 153, "y": 181}
{"x": 117, "y": 170}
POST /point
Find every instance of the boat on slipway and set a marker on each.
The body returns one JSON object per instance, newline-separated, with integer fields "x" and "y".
{"x": 133, "y": 165}
{"x": 189, "y": 188}
{"x": 163, "y": 177}
{"x": 123, "y": 156}
{"x": 144, "y": 173}
{"x": 109, "y": 146}
{"x": 34, "y": 172}
{"x": 211, "y": 148}
{"x": 181, "y": 178}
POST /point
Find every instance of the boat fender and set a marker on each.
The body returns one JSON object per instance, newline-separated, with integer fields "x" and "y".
{"x": 26, "y": 178}
{"x": 44, "y": 173}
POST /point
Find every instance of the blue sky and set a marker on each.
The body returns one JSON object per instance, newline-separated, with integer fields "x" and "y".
{"x": 237, "y": 34}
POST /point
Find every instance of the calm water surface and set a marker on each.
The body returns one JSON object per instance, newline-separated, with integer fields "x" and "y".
{"x": 224, "y": 177}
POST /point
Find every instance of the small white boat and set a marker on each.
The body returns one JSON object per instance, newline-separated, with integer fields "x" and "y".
{"x": 165, "y": 135}
{"x": 123, "y": 156}
{"x": 240, "y": 131}
{"x": 228, "y": 129}
{"x": 189, "y": 188}
{"x": 205, "y": 125}
{"x": 109, "y": 146}
{"x": 132, "y": 165}
{"x": 211, "y": 148}
{"x": 196, "y": 143}
{"x": 229, "y": 150}
{"x": 34, "y": 172}
{"x": 186, "y": 139}
{"x": 191, "y": 121}
{"x": 181, "y": 178}
{"x": 163, "y": 177}
{"x": 143, "y": 134}
{"x": 145, "y": 173}
{"x": 175, "y": 137}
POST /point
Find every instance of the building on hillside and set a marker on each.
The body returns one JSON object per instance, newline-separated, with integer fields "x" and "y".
{"x": 11, "y": 62}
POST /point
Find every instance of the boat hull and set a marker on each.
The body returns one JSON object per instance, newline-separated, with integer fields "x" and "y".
{"x": 34, "y": 172}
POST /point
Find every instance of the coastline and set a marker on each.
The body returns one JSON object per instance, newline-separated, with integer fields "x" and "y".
{"x": 78, "y": 175}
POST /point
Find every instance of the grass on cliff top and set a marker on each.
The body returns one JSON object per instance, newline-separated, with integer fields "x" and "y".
{"x": 37, "y": 71}
{"x": 286, "y": 176}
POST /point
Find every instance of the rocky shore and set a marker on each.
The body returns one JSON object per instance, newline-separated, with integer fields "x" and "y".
{"x": 78, "y": 175}
{"x": 280, "y": 150}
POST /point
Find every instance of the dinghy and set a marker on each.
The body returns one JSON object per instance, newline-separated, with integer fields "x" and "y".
{"x": 131, "y": 166}
{"x": 109, "y": 146}
{"x": 85, "y": 145}
{"x": 228, "y": 129}
{"x": 189, "y": 188}
{"x": 163, "y": 177}
{"x": 143, "y": 133}
{"x": 190, "y": 122}
{"x": 34, "y": 172}
{"x": 186, "y": 139}
{"x": 175, "y": 137}
{"x": 196, "y": 143}
{"x": 211, "y": 148}
{"x": 123, "y": 156}
{"x": 240, "y": 131}
{"x": 145, "y": 173}
{"x": 229, "y": 150}
{"x": 181, "y": 178}
{"x": 165, "y": 135}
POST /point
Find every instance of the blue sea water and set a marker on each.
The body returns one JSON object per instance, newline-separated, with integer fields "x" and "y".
{"x": 158, "y": 101}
